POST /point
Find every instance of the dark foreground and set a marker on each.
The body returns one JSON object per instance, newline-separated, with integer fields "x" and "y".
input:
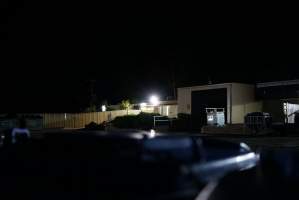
{"x": 69, "y": 166}
{"x": 275, "y": 177}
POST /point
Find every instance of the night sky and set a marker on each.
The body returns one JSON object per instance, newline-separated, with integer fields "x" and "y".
{"x": 50, "y": 51}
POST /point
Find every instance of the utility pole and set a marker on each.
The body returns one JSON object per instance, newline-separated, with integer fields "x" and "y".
{"x": 209, "y": 80}
{"x": 93, "y": 96}
{"x": 171, "y": 65}
{"x": 173, "y": 83}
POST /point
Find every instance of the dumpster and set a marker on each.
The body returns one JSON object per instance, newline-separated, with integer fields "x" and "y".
{"x": 215, "y": 116}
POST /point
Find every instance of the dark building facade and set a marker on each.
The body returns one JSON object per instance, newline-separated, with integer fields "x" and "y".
{"x": 280, "y": 98}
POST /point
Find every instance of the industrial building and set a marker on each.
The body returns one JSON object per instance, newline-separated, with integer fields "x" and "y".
{"x": 280, "y": 98}
{"x": 235, "y": 100}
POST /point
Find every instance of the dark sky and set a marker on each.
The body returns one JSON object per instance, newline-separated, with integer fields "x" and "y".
{"x": 49, "y": 51}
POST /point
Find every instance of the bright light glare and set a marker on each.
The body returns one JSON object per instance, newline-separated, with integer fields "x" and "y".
{"x": 154, "y": 100}
{"x": 143, "y": 105}
{"x": 104, "y": 108}
{"x": 152, "y": 133}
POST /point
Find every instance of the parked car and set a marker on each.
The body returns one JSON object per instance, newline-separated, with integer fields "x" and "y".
{"x": 276, "y": 177}
{"x": 126, "y": 165}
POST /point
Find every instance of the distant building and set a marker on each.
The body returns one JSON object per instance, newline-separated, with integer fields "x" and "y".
{"x": 165, "y": 108}
{"x": 280, "y": 99}
{"x": 236, "y": 99}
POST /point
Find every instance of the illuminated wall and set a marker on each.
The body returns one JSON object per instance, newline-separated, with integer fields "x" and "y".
{"x": 243, "y": 102}
{"x": 240, "y": 100}
{"x": 165, "y": 110}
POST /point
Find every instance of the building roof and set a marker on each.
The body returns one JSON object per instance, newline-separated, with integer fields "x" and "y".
{"x": 214, "y": 85}
{"x": 278, "y": 83}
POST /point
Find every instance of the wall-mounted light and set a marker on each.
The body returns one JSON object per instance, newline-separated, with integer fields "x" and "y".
{"x": 104, "y": 108}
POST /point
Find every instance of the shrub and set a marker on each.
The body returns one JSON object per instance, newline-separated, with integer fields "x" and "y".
{"x": 11, "y": 116}
{"x": 141, "y": 121}
{"x": 146, "y": 120}
{"x": 184, "y": 116}
{"x": 32, "y": 116}
{"x": 95, "y": 126}
{"x": 127, "y": 121}
{"x": 182, "y": 123}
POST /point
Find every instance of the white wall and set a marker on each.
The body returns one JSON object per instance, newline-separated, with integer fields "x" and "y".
{"x": 290, "y": 110}
{"x": 184, "y": 100}
{"x": 184, "y": 97}
{"x": 147, "y": 109}
{"x": 243, "y": 102}
{"x": 165, "y": 110}
{"x": 169, "y": 110}
{"x": 240, "y": 100}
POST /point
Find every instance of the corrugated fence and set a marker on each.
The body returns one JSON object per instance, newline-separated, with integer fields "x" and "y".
{"x": 79, "y": 120}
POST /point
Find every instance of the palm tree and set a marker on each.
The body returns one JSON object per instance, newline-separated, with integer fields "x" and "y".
{"x": 125, "y": 104}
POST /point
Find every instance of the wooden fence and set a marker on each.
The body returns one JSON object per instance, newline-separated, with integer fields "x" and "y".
{"x": 79, "y": 120}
